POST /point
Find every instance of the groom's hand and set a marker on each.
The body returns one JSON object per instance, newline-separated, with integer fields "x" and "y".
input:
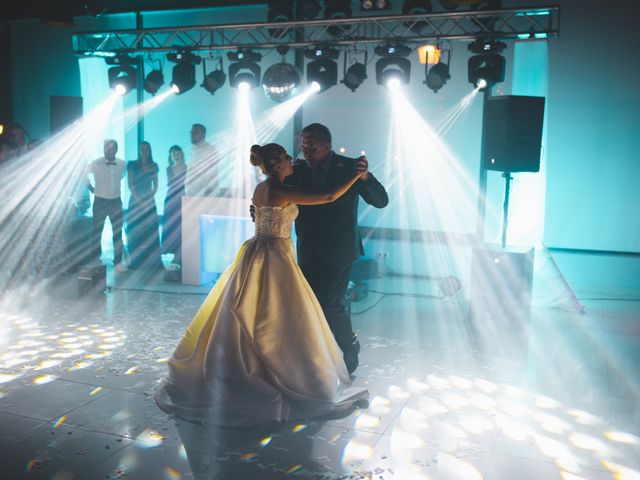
{"x": 362, "y": 167}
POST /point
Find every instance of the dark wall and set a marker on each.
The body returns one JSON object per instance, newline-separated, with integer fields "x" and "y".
{"x": 5, "y": 77}
{"x": 42, "y": 64}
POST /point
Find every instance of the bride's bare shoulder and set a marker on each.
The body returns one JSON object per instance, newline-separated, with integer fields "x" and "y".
{"x": 264, "y": 196}
{"x": 258, "y": 197}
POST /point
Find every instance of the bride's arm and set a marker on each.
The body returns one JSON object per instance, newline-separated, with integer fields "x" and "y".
{"x": 289, "y": 194}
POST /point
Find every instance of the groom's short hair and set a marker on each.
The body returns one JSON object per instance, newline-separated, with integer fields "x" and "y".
{"x": 318, "y": 131}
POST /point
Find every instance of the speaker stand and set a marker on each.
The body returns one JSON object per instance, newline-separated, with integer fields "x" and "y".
{"x": 505, "y": 208}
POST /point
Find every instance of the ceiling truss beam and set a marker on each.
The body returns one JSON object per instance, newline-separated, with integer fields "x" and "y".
{"x": 503, "y": 24}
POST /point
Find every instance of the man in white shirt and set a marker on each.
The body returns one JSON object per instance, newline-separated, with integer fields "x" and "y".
{"x": 202, "y": 173}
{"x": 108, "y": 172}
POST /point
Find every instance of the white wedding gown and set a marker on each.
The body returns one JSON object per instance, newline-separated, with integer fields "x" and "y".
{"x": 259, "y": 349}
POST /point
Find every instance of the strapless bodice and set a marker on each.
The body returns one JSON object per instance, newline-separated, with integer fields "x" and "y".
{"x": 275, "y": 222}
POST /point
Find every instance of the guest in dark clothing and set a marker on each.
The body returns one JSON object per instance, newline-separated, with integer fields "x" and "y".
{"x": 172, "y": 228}
{"x": 17, "y": 138}
{"x": 5, "y": 150}
{"x": 143, "y": 238}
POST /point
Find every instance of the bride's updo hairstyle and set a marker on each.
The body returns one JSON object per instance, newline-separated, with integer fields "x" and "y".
{"x": 265, "y": 156}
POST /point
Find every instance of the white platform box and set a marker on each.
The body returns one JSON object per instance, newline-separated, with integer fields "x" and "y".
{"x": 213, "y": 229}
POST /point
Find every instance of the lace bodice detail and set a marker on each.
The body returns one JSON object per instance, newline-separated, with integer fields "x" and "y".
{"x": 275, "y": 222}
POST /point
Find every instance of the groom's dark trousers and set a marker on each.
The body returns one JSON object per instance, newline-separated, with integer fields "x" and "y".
{"x": 328, "y": 240}
{"x": 329, "y": 283}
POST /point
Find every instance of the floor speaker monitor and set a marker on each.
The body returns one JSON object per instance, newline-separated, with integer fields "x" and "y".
{"x": 501, "y": 282}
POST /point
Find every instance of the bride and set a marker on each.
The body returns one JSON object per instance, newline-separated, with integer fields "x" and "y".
{"x": 259, "y": 349}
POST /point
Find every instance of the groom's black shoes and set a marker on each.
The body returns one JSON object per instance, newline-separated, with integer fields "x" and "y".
{"x": 351, "y": 356}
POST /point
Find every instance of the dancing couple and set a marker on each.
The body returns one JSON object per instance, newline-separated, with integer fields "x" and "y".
{"x": 272, "y": 341}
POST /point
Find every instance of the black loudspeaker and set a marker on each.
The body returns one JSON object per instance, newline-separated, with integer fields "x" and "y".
{"x": 501, "y": 283}
{"x": 513, "y": 133}
{"x": 64, "y": 111}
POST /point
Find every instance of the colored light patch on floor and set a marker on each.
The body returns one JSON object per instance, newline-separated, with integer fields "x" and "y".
{"x": 42, "y": 379}
{"x": 95, "y": 391}
{"x": 171, "y": 474}
{"x": 265, "y": 441}
{"x": 59, "y": 422}
{"x": 247, "y": 457}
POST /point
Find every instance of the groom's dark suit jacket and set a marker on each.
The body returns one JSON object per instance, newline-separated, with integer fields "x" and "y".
{"x": 329, "y": 233}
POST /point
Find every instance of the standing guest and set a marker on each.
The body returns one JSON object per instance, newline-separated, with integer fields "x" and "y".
{"x": 108, "y": 172}
{"x": 143, "y": 238}
{"x": 171, "y": 230}
{"x": 17, "y": 137}
{"x": 202, "y": 176}
{"x": 5, "y": 150}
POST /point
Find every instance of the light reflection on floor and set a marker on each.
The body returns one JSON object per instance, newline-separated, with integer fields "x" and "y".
{"x": 76, "y": 382}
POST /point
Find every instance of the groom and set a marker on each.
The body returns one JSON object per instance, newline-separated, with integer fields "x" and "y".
{"x": 328, "y": 236}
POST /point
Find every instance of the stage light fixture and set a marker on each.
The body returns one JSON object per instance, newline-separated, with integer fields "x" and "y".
{"x": 316, "y": 53}
{"x": 393, "y": 69}
{"x": 244, "y": 56}
{"x": 393, "y": 83}
{"x": 392, "y": 50}
{"x": 429, "y": 54}
{"x": 416, "y": 7}
{"x": 437, "y": 76}
{"x": 184, "y": 56}
{"x": 487, "y": 67}
{"x": 393, "y": 66}
{"x": 153, "y": 81}
{"x": 354, "y": 76}
{"x": 335, "y": 10}
{"x": 451, "y": 5}
{"x": 279, "y": 11}
{"x": 213, "y": 80}
{"x": 183, "y": 76}
{"x": 244, "y": 68}
{"x": 122, "y": 78}
{"x": 244, "y": 72}
{"x": 323, "y": 69}
{"x": 486, "y": 24}
{"x": 280, "y": 80}
{"x": 375, "y": 4}
{"x": 324, "y": 72}
{"x": 308, "y": 9}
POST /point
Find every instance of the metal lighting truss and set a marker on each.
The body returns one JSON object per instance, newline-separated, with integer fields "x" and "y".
{"x": 502, "y": 24}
